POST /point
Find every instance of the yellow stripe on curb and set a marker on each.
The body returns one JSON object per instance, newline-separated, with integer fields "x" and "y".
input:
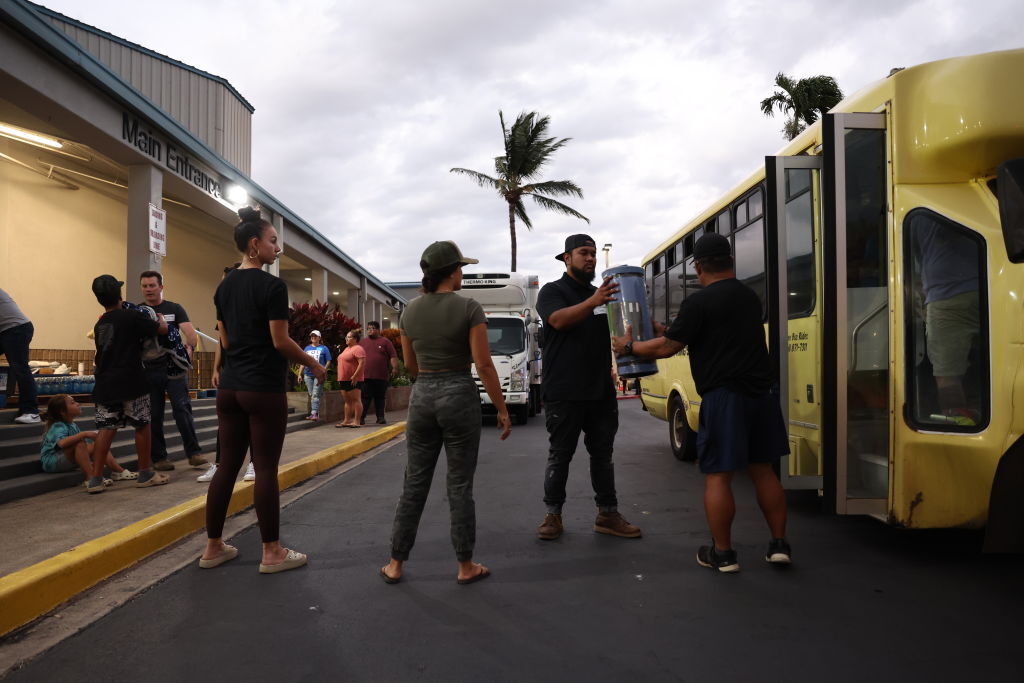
{"x": 31, "y": 592}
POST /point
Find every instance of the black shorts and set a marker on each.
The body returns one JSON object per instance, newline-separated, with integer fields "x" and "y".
{"x": 348, "y": 385}
{"x": 738, "y": 429}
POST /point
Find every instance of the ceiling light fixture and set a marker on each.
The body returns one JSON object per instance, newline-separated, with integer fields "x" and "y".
{"x": 308, "y": 279}
{"x": 28, "y": 136}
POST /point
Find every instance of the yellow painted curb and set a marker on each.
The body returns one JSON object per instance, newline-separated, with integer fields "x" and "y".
{"x": 31, "y": 592}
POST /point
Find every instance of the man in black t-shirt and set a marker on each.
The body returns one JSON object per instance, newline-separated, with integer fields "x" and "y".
{"x": 741, "y": 425}
{"x": 169, "y": 375}
{"x": 579, "y": 395}
{"x": 121, "y": 392}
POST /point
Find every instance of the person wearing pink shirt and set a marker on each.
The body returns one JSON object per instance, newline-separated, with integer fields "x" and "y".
{"x": 351, "y": 364}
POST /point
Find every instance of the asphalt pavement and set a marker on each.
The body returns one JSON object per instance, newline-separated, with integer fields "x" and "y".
{"x": 861, "y": 602}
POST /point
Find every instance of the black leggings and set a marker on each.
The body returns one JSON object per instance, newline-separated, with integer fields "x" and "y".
{"x": 247, "y": 419}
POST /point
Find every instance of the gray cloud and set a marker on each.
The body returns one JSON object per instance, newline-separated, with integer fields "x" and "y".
{"x": 362, "y": 108}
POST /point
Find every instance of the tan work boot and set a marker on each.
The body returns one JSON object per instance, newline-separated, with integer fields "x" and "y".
{"x": 550, "y": 528}
{"x": 615, "y": 524}
{"x": 197, "y": 460}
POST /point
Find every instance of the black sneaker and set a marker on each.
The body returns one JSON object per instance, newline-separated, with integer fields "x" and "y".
{"x": 720, "y": 560}
{"x": 779, "y": 552}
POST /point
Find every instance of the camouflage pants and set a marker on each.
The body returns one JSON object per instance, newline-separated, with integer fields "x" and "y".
{"x": 444, "y": 410}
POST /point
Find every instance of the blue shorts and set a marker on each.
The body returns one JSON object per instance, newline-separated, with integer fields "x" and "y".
{"x": 736, "y": 429}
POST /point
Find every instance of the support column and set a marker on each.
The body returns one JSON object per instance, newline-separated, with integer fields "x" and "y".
{"x": 377, "y": 311}
{"x": 352, "y": 309}
{"x": 145, "y": 187}
{"x": 278, "y": 221}
{"x": 362, "y": 302}
{"x": 319, "y": 288}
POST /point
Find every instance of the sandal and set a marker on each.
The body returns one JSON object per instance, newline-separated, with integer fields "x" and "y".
{"x": 293, "y": 560}
{"x": 341, "y": 425}
{"x": 229, "y": 552}
{"x": 124, "y": 475}
{"x": 155, "y": 480}
{"x": 388, "y": 579}
{"x": 479, "y": 576}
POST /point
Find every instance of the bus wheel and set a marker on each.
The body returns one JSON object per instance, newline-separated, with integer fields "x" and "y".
{"x": 682, "y": 439}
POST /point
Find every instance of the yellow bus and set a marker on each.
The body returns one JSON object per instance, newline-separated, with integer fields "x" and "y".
{"x": 884, "y": 242}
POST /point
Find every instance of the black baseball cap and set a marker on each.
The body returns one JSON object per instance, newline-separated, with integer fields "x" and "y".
{"x": 574, "y": 242}
{"x": 711, "y": 245}
{"x": 106, "y": 285}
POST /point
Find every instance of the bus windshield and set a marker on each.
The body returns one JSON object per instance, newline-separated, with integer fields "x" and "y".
{"x": 507, "y": 336}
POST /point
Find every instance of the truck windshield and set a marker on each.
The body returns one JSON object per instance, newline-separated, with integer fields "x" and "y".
{"x": 507, "y": 336}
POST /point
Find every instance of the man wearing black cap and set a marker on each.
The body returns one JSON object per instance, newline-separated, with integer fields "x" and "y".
{"x": 579, "y": 395}
{"x": 122, "y": 392}
{"x": 741, "y": 425}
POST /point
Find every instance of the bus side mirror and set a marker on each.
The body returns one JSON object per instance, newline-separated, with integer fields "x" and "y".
{"x": 1010, "y": 186}
{"x": 533, "y": 328}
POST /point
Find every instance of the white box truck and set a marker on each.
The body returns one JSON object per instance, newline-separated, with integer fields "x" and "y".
{"x": 513, "y": 326}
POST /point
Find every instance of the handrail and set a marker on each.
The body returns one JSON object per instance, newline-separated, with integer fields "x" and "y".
{"x": 857, "y": 328}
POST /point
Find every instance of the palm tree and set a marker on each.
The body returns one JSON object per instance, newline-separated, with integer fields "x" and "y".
{"x": 803, "y": 100}
{"x": 526, "y": 153}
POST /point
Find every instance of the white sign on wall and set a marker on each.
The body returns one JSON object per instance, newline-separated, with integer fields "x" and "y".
{"x": 157, "y": 231}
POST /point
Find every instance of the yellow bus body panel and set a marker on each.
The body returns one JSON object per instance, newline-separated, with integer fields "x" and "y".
{"x": 951, "y": 123}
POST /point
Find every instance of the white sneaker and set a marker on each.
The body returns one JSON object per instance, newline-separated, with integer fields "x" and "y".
{"x": 250, "y": 473}
{"x": 208, "y": 474}
{"x": 28, "y": 419}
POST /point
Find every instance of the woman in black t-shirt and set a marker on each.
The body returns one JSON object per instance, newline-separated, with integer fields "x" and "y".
{"x": 252, "y": 410}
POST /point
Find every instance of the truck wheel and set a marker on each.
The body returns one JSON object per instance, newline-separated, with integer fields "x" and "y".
{"x": 521, "y": 414}
{"x": 532, "y": 402}
{"x": 682, "y": 439}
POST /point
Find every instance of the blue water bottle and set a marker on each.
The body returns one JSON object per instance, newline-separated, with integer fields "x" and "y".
{"x": 630, "y": 308}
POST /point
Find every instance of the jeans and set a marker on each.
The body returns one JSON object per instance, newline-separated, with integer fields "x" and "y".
{"x": 14, "y": 344}
{"x": 181, "y": 407}
{"x": 316, "y": 390}
{"x": 444, "y": 410}
{"x": 599, "y": 421}
{"x": 374, "y": 390}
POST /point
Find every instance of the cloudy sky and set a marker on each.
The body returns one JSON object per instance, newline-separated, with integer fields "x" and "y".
{"x": 362, "y": 108}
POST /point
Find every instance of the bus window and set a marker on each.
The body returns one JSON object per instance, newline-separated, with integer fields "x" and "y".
{"x": 649, "y": 282}
{"x": 690, "y": 278}
{"x": 676, "y": 291}
{"x": 755, "y": 205}
{"x": 658, "y": 311}
{"x": 724, "y": 224}
{"x": 688, "y": 246}
{"x": 741, "y": 214}
{"x": 672, "y": 255}
{"x": 947, "y": 345}
{"x": 710, "y": 226}
{"x": 799, "y": 242}
{"x": 657, "y": 266}
{"x": 749, "y": 250}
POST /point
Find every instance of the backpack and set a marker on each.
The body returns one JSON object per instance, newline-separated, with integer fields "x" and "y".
{"x": 151, "y": 348}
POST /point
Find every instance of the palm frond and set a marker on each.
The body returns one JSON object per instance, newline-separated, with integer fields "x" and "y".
{"x": 481, "y": 179}
{"x": 520, "y": 212}
{"x": 554, "y": 188}
{"x": 558, "y": 207}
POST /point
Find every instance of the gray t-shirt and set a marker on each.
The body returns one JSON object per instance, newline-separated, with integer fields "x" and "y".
{"x": 10, "y": 314}
{"x": 438, "y": 326}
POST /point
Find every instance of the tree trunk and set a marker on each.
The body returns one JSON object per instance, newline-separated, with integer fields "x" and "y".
{"x": 512, "y": 231}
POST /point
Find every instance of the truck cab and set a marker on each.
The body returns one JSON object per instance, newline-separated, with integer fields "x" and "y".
{"x": 509, "y": 301}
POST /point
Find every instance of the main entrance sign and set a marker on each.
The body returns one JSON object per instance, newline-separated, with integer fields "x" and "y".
{"x": 169, "y": 155}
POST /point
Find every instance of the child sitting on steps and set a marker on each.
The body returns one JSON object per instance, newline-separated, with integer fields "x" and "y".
{"x": 65, "y": 446}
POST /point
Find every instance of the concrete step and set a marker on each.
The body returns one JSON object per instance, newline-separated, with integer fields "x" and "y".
{"x": 29, "y": 480}
{"x": 27, "y": 441}
{"x": 10, "y": 430}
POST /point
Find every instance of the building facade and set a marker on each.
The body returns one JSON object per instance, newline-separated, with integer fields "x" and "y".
{"x": 100, "y": 139}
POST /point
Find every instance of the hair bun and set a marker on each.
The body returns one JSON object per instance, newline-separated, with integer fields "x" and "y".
{"x": 247, "y": 213}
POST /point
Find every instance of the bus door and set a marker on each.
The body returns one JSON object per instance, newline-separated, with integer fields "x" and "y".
{"x": 856, "y": 414}
{"x": 793, "y": 185}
